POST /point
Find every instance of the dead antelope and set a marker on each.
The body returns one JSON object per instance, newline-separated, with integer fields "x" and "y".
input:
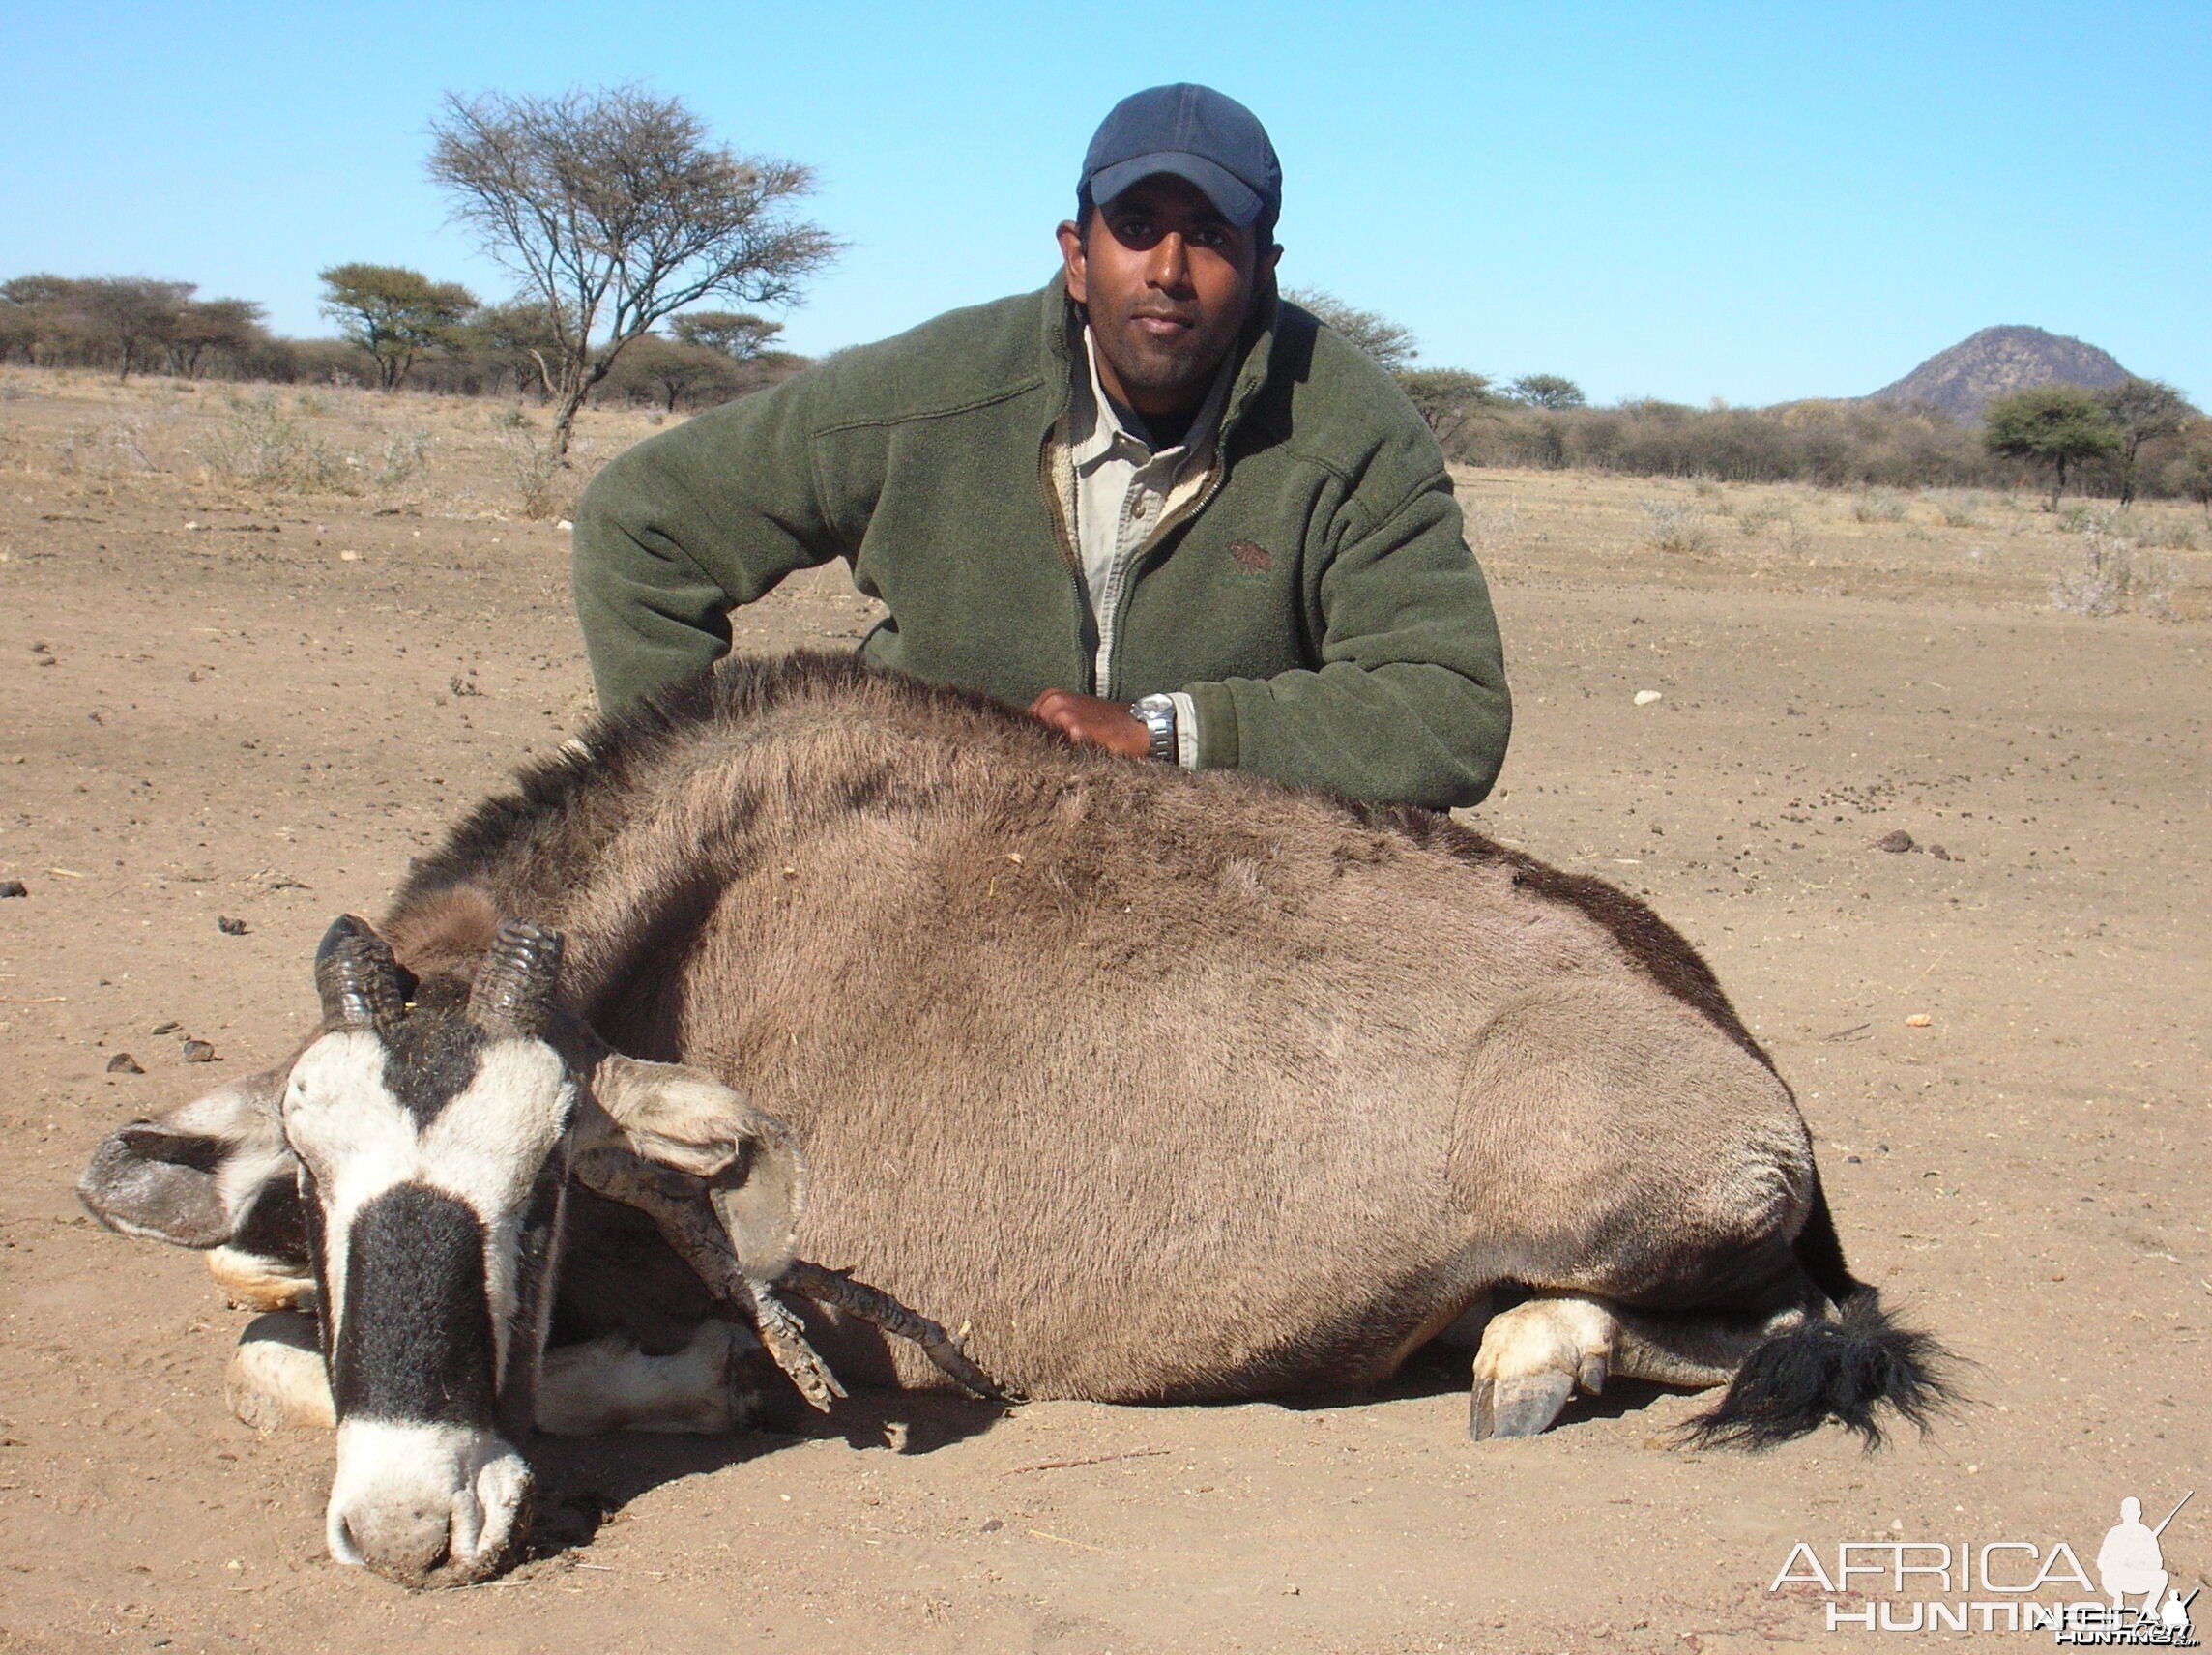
{"x": 1173, "y": 1088}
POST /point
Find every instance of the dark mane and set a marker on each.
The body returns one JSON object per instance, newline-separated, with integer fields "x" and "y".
{"x": 615, "y": 752}
{"x": 580, "y": 796}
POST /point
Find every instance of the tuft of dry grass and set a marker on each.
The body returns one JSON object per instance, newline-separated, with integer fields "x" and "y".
{"x": 2111, "y": 574}
{"x": 1878, "y": 506}
{"x": 262, "y": 448}
{"x": 1676, "y": 526}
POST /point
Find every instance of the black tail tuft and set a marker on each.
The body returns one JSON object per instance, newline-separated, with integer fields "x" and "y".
{"x": 1848, "y": 1369}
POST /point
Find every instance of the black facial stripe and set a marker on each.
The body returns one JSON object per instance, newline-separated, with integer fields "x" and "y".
{"x": 414, "y": 1341}
{"x": 275, "y": 1225}
{"x": 428, "y": 1061}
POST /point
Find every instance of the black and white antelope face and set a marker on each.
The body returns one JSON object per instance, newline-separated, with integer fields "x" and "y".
{"x": 431, "y": 1150}
{"x": 406, "y": 1171}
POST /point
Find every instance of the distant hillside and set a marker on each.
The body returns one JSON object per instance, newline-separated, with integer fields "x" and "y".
{"x": 1996, "y": 362}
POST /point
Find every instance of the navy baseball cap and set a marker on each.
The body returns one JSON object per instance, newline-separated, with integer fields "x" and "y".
{"x": 1196, "y": 134}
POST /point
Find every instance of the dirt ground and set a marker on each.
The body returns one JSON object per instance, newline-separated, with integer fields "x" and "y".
{"x": 255, "y": 654}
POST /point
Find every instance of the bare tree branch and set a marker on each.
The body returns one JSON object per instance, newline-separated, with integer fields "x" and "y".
{"x": 615, "y": 208}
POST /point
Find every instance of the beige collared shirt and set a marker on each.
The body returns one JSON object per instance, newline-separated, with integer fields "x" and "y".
{"x": 1125, "y": 490}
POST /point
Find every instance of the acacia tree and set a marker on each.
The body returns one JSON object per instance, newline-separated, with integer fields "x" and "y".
{"x": 1547, "y": 390}
{"x": 738, "y": 334}
{"x": 1450, "y": 399}
{"x": 2051, "y": 425}
{"x": 2191, "y": 471}
{"x": 226, "y": 326}
{"x": 394, "y": 313}
{"x": 615, "y": 210}
{"x": 2145, "y": 410}
{"x": 674, "y": 370}
{"x": 1392, "y": 346}
{"x": 521, "y": 332}
{"x": 133, "y": 315}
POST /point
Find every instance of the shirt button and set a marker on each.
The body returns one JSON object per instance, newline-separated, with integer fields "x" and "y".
{"x": 1144, "y": 506}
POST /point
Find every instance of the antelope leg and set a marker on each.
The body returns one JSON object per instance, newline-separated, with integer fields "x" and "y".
{"x": 678, "y": 1207}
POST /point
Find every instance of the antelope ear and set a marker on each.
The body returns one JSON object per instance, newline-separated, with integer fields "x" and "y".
{"x": 203, "y": 1174}
{"x": 680, "y": 1118}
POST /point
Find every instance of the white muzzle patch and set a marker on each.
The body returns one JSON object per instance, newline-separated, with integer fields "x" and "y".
{"x": 424, "y": 1504}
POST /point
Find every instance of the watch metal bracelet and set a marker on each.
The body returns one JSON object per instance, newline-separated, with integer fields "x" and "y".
{"x": 1157, "y": 715}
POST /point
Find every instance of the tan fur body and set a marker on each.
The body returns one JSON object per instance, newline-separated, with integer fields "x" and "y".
{"x": 1173, "y": 1087}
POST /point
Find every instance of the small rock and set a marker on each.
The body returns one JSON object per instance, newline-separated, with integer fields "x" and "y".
{"x": 1894, "y": 841}
{"x": 349, "y": 557}
{"x": 992, "y": 1525}
{"x": 1918, "y": 1020}
{"x": 1646, "y": 697}
{"x": 124, "y": 1063}
{"x": 565, "y": 526}
{"x": 228, "y": 926}
{"x": 14, "y": 887}
{"x": 1940, "y": 853}
{"x": 198, "y": 1052}
{"x": 164, "y": 1028}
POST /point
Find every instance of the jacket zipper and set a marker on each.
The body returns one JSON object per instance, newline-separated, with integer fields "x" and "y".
{"x": 1110, "y": 625}
{"x": 1068, "y": 554}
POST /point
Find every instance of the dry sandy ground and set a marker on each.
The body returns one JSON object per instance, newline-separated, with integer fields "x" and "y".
{"x": 240, "y": 702}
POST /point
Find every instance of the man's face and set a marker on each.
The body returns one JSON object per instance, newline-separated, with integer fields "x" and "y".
{"x": 1167, "y": 283}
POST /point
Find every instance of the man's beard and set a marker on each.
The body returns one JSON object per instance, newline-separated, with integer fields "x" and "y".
{"x": 1181, "y": 369}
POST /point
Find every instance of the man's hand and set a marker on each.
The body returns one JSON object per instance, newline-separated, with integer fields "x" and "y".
{"x": 1086, "y": 718}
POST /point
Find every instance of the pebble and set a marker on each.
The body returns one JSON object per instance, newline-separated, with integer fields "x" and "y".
{"x": 1895, "y": 841}
{"x": 164, "y": 1028}
{"x": 124, "y": 1063}
{"x": 198, "y": 1052}
{"x": 14, "y": 887}
{"x": 1918, "y": 1020}
{"x": 1646, "y": 697}
{"x": 228, "y": 926}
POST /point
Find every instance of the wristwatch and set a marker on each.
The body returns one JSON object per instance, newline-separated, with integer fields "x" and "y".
{"x": 1157, "y": 715}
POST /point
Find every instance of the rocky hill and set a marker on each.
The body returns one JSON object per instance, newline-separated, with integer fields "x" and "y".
{"x": 1997, "y": 361}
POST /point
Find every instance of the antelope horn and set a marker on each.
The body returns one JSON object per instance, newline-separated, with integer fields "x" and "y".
{"x": 514, "y": 990}
{"x": 357, "y": 977}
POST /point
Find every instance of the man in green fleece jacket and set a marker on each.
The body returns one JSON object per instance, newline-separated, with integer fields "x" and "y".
{"x": 1156, "y": 506}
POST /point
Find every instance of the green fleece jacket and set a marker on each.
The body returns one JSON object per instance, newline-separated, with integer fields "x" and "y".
{"x": 1315, "y": 598}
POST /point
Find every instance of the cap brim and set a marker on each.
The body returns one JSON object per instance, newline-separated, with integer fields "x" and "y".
{"x": 1236, "y": 200}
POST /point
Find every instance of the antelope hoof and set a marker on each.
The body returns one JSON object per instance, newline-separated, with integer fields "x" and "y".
{"x": 1533, "y": 1359}
{"x": 1518, "y": 1407}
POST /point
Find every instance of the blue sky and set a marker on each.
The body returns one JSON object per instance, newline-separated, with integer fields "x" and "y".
{"x": 1754, "y": 202}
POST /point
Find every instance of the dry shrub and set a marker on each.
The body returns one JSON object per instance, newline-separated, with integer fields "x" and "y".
{"x": 1676, "y": 526}
{"x": 1760, "y": 515}
{"x": 2111, "y": 575}
{"x": 545, "y": 486}
{"x": 1961, "y": 510}
{"x": 260, "y": 446}
{"x": 1488, "y": 522}
{"x": 1878, "y": 506}
{"x": 403, "y": 458}
{"x": 115, "y": 449}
